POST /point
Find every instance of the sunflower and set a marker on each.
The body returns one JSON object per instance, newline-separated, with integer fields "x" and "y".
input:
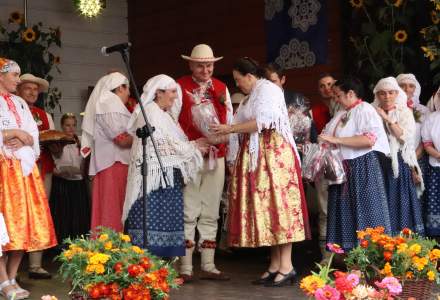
{"x": 29, "y": 35}
{"x": 16, "y": 17}
{"x": 428, "y": 53}
{"x": 357, "y": 3}
{"x": 401, "y": 36}
{"x": 397, "y": 3}
{"x": 434, "y": 17}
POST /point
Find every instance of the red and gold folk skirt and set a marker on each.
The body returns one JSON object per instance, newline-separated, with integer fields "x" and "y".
{"x": 25, "y": 208}
{"x": 267, "y": 206}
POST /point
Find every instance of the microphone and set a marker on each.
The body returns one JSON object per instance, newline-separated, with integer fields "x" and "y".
{"x": 116, "y": 48}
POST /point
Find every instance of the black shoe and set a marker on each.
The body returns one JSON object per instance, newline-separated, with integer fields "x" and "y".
{"x": 288, "y": 278}
{"x": 264, "y": 280}
{"x": 42, "y": 274}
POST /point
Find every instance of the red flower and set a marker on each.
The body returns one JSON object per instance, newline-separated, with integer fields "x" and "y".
{"x": 94, "y": 293}
{"x": 387, "y": 255}
{"x": 133, "y": 270}
{"x": 364, "y": 243}
{"x": 118, "y": 267}
{"x": 145, "y": 263}
{"x": 406, "y": 231}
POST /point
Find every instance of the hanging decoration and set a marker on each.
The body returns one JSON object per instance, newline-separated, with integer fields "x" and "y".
{"x": 89, "y": 8}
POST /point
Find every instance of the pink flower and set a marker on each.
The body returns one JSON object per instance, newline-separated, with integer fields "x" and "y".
{"x": 391, "y": 284}
{"x": 335, "y": 248}
{"x": 353, "y": 279}
{"x": 327, "y": 293}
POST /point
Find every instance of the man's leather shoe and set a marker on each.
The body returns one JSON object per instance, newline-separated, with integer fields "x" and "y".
{"x": 213, "y": 276}
{"x": 39, "y": 273}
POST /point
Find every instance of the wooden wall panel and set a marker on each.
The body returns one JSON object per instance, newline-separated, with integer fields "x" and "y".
{"x": 163, "y": 30}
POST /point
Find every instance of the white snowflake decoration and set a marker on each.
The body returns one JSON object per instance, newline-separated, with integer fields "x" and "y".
{"x": 90, "y": 8}
{"x": 304, "y": 13}
{"x": 296, "y": 55}
{"x": 271, "y": 7}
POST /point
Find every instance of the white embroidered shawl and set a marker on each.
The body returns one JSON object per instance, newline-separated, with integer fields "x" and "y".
{"x": 266, "y": 105}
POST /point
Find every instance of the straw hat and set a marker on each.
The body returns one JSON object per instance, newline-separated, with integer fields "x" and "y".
{"x": 202, "y": 53}
{"x": 42, "y": 83}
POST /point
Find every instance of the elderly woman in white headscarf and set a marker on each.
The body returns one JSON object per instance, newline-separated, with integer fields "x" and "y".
{"x": 181, "y": 161}
{"x": 105, "y": 137}
{"x": 411, "y": 87}
{"x": 401, "y": 171}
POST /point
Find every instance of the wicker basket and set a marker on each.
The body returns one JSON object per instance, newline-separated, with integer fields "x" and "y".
{"x": 418, "y": 289}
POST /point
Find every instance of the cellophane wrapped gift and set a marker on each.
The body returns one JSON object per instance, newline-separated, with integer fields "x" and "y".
{"x": 334, "y": 170}
{"x": 300, "y": 125}
{"x": 203, "y": 112}
{"x": 313, "y": 161}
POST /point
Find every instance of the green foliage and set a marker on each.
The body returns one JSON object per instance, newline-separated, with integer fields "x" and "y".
{"x": 31, "y": 48}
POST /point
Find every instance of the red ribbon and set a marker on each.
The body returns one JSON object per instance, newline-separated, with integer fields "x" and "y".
{"x": 12, "y": 108}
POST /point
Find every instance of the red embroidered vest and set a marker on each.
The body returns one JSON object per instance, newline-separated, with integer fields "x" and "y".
{"x": 217, "y": 94}
{"x": 46, "y": 161}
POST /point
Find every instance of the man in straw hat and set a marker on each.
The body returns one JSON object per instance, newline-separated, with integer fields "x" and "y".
{"x": 202, "y": 197}
{"x": 29, "y": 88}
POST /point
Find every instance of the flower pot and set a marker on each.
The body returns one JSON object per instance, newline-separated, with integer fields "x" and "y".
{"x": 419, "y": 289}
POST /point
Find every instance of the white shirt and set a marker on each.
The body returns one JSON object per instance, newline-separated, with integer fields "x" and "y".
{"x": 359, "y": 120}
{"x": 105, "y": 152}
{"x": 68, "y": 165}
{"x": 431, "y": 134}
{"x": 27, "y": 155}
{"x": 423, "y": 111}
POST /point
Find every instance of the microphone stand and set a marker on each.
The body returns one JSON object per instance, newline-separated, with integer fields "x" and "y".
{"x": 144, "y": 133}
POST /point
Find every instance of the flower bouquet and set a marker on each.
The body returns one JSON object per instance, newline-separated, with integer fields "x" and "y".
{"x": 300, "y": 125}
{"x": 105, "y": 265}
{"x": 408, "y": 256}
{"x": 335, "y": 285}
{"x": 203, "y": 112}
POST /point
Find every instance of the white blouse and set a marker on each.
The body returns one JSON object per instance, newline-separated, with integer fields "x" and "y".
{"x": 359, "y": 120}
{"x": 68, "y": 165}
{"x": 105, "y": 152}
{"x": 27, "y": 155}
{"x": 431, "y": 135}
{"x": 423, "y": 111}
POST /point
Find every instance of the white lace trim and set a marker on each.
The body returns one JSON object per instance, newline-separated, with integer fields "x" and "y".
{"x": 296, "y": 55}
{"x": 304, "y": 13}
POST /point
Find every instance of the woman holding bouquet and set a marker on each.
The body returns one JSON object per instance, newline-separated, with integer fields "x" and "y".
{"x": 402, "y": 173}
{"x": 358, "y": 133}
{"x": 181, "y": 161}
{"x": 267, "y": 204}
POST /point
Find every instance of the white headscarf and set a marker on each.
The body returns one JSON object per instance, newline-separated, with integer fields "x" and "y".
{"x": 390, "y": 84}
{"x": 410, "y": 78}
{"x": 158, "y": 82}
{"x": 434, "y": 102}
{"x": 102, "y": 100}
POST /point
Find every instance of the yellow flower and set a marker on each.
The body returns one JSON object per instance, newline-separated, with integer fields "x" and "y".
{"x": 124, "y": 237}
{"x": 16, "y": 17}
{"x": 311, "y": 283}
{"x": 428, "y": 53}
{"x": 29, "y": 35}
{"x": 397, "y": 3}
{"x": 431, "y": 275}
{"x": 97, "y": 268}
{"x": 99, "y": 258}
{"x": 401, "y": 36}
{"x": 434, "y": 254}
{"x": 357, "y": 3}
{"x": 108, "y": 245}
{"x": 419, "y": 262}
{"x": 68, "y": 254}
{"x": 137, "y": 249}
{"x": 103, "y": 237}
{"x": 116, "y": 250}
{"x": 402, "y": 248}
{"x": 434, "y": 17}
{"x": 387, "y": 270}
{"x": 415, "y": 249}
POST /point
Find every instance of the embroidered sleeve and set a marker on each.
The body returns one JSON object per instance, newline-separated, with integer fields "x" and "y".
{"x": 368, "y": 123}
{"x": 425, "y": 132}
